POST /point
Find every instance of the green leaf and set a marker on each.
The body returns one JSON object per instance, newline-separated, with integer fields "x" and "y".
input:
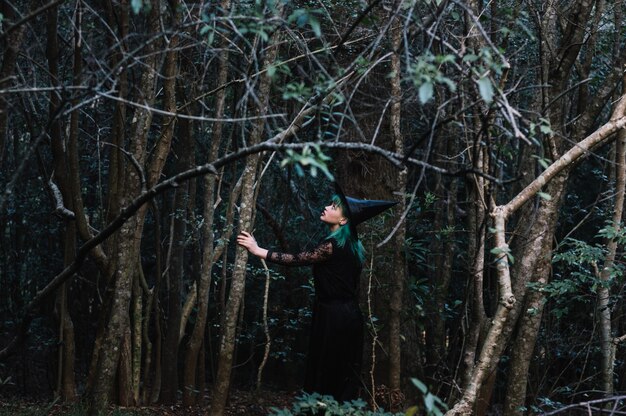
{"x": 271, "y": 71}
{"x": 426, "y": 92}
{"x": 442, "y": 59}
{"x": 411, "y": 411}
{"x": 511, "y": 258}
{"x": 451, "y": 85}
{"x": 136, "y": 5}
{"x": 429, "y": 402}
{"x": 421, "y": 386}
{"x": 315, "y": 25}
{"x": 544, "y": 195}
{"x": 497, "y": 250}
{"x": 545, "y": 126}
{"x": 485, "y": 87}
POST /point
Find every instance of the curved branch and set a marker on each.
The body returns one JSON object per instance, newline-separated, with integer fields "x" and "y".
{"x": 580, "y": 149}
{"x": 173, "y": 182}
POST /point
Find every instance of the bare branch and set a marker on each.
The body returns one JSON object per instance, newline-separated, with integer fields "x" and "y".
{"x": 565, "y": 161}
{"x": 60, "y": 209}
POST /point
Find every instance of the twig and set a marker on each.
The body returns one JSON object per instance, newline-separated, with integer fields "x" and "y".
{"x": 136, "y": 165}
{"x": 268, "y": 339}
{"x": 588, "y": 406}
{"x": 375, "y": 337}
{"x": 180, "y": 115}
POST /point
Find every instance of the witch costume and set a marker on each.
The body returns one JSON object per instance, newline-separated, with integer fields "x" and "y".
{"x": 336, "y": 339}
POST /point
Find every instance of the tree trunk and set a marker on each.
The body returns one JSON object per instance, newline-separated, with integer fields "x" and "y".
{"x": 477, "y": 227}
{"x": 531, "y": 309}
{"x": 66, "y": 386}
{"x": 191, "y": 386}
{"x": 117, "y": 16}
{"x": 127, "y": 246}
{"x": 124, "y": 386}
{"x": 399, "y": 262}
{"x": 246, "y": 215}
{"x": 137, "y": 335}
{"x": 118, "y": 322}
{"x": 607, "y": 347}
{"x": 169, "y": 359}
{"x": 233, "y": 304}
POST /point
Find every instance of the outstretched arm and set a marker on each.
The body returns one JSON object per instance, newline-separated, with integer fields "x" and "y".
{"x": 319, "y": 254}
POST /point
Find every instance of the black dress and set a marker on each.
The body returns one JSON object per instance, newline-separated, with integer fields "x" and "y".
{"x": 336, "y": 344}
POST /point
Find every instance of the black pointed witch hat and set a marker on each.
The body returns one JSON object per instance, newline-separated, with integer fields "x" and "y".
{"x": 359, "y": 210}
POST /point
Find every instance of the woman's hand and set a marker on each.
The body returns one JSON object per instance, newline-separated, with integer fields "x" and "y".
{"x": 246, "y": 240}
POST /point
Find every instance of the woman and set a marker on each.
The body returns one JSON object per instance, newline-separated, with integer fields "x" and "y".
{"x": 336, "y": 343}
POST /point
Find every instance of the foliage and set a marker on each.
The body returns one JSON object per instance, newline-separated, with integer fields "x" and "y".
{"x": 433, "y": 405}
{"x": 580, "y": 259}
{"x": 426, "y": 73}
{"x": 314, "y": 403}
{"x": 312, "y": 156}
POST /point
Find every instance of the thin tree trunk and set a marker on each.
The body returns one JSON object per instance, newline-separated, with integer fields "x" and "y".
{"x": 399, "y": 264}
{"x": 137, "y": 335}
{"x": 125, "y": 368}
{"x": 246, "y": 215}
{"x": 117, "y": 15}
{"x": 604, "y": 289}
{"x": 233, "y": 304}
{"x": 169, "y": 359}
{"x": 66, "y": 388}
{"x": 191, "y": 385}
{"x": 73, "y": 167}
{"x": 146, "y": 369}
{"x": 477, "y": 227}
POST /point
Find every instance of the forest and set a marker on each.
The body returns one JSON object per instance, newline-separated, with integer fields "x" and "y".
{"x": 138, "y": 138}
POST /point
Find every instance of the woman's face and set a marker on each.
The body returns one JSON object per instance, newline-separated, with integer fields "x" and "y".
{"x": 333, "y": 215}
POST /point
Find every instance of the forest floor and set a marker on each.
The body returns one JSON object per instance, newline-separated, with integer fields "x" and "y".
{"x": 240, "y": 403}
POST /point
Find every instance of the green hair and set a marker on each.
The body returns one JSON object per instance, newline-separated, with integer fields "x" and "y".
{"x": 343, "y": 235}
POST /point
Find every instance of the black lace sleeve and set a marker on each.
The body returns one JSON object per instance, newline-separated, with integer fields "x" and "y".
{"x": 319, "y": 254}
